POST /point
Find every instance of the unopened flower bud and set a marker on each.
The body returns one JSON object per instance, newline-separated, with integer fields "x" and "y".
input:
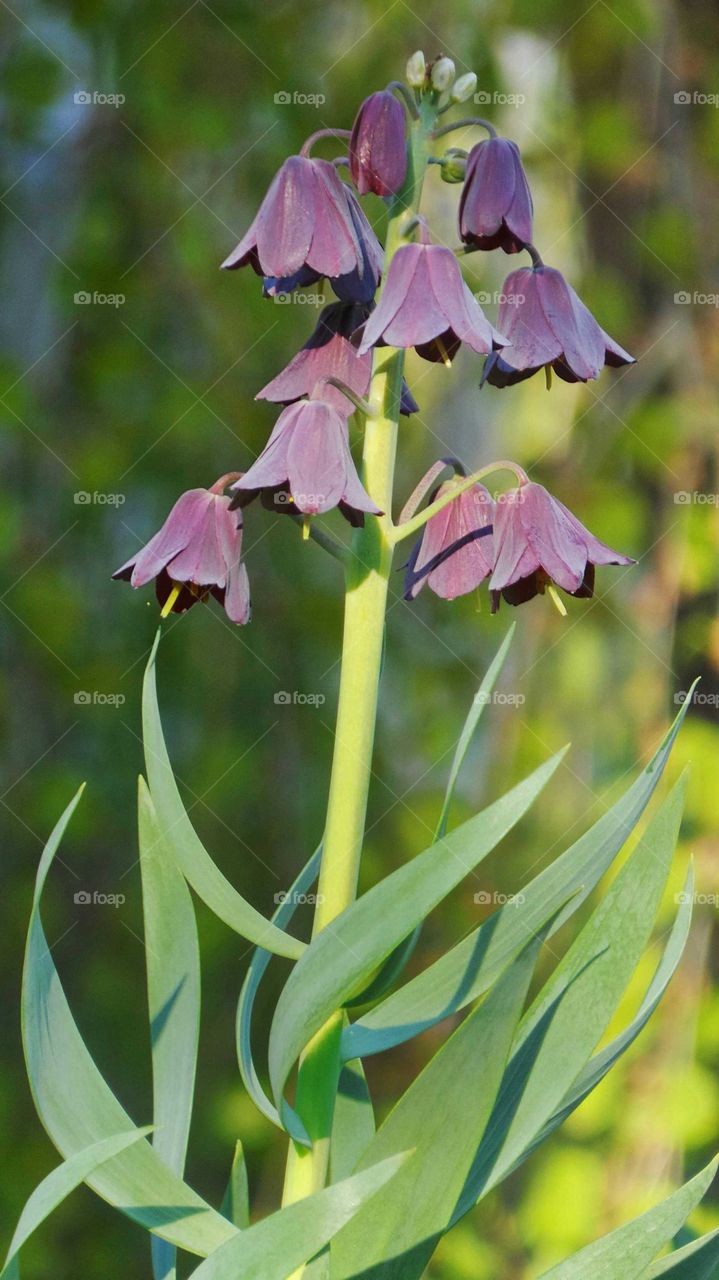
{"x": 443, "y": 73}
{"x": 416, "y": 70}
{"x": 464, "y": 88}
{"x": 453, "y": 166}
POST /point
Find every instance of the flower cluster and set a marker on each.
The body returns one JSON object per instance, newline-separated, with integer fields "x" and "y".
{"x": 311, "y": 227}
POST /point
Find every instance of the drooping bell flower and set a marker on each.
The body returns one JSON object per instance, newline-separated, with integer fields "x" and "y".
{"x": 495, "y": 208}
{"x": 377, "y": 147}
{"x": 549, "y": 327}
{"x": 426, "y": 304}
{"x": 359, "y": 285}
{"x": 539, "y": 545}
{"x": 307, "y": 219}
{"x": 306, "y": 465}
{"x": 329, "y": 353}
{"x": 454, "y": 554}
{"x": 196, "y": 554}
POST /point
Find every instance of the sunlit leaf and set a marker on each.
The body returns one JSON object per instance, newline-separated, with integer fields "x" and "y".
{"x": 626, "y": 1253}
{"x": 353, "y": 1124}
{"x": 340, "y": 959}
{"x": 78, "y": 1108}
{"x": 172, "y": 959}
{"x": 193, "y": 859}
{"x": 236, "y": 1203}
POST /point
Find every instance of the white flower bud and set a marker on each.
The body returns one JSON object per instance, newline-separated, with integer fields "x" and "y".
{"x": 443, "y": 73}
{"x": 464, "y": 88}
{"x": 416, "y": 70}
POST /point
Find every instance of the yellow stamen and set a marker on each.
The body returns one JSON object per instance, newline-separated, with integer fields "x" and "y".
{"x": 556, "y": 600}
{"x": 548, "y": 376}
{"x": 167, "y": 606}
{"x": 443, "y": 352}
{"x": 306, "y": 526}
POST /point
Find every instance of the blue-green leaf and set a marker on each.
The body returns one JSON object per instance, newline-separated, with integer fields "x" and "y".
{"x": 442, "y": 1116}
{"x": 78, "y": 1108}
{"x": 626, "y": 1253}
{"x": 568, "y": 1017}
{"x": 172, "y": 959}
{"x": 353, "y": 1123}
{"x": 236, "y": 1202}
{"x": 193, "y": 859}
{"x": 698, "y": 1260}
{"x": 471, "y": 967}
{"x": 59, "y": 1184}
{"x": 255, "y": 973}
{"x": 277, "y": 1246}
{"x": 340, "y": 959}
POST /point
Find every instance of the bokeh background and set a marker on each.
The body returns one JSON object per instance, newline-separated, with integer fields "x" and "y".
{"x": 111, "y": 408}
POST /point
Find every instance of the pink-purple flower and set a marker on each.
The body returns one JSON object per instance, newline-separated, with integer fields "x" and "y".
{"x": 539, "y": 544}
{"x": 548, "y": 326}
{"x": 495, "y": 208}
{"x": 196, "y": 553}
{"x": 306, "y": 465}
{"x": 454, "y": 554}
{"x": 426, "y": 304}
{"x": 310, "y": 221}
{"x": 378, "y": 148}
{"x": 330, "y": 353}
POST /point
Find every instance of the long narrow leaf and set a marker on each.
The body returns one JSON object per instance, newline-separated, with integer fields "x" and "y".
{"x": 341, "y": 958}
{"x": 172, "y": 958}
{"x": 696, "y": 1261}
{"x": 236, "y": 1202}
{"x": 255, "y": 973}
{"x": 193, "y": 859}
{"x": 59, "y": 1184}
{"x": 78, "y": 1108}
{"x": 626, "y": 1253}
{"x": 275, "y": 1247}
{"x": 471, "y": 967}
{"x": 353, "y": 1124}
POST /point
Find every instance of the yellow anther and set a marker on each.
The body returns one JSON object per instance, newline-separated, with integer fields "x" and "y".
{"x": 556, "y": 600}
{"x": 306, "y": 526}
{"x": 443, "y": 352}
{"x": 167, "y": 606}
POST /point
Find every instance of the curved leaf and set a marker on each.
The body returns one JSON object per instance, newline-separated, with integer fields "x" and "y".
{"x": 341, "y": 958}
{"x": 698, "y": 1260}
{"x": 78, "y": 1108}
{"x": 255, "y": 973}
{"x": 59, "y": 1184}
{"x": 471, "y": 967}
{"x": 626, "y": 1253}
{"x": 193, "y": 859}
{"x": 172, "y": 958}
{"x": 277, "y": 1246}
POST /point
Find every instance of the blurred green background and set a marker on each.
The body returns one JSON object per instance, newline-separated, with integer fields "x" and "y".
{"x": 127, "y": 403}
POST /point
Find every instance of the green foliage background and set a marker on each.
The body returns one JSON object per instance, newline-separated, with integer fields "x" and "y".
{"x": 156, "y": 395}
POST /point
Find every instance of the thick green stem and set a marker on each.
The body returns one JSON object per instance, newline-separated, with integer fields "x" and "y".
{"x": 367, "y": 579}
